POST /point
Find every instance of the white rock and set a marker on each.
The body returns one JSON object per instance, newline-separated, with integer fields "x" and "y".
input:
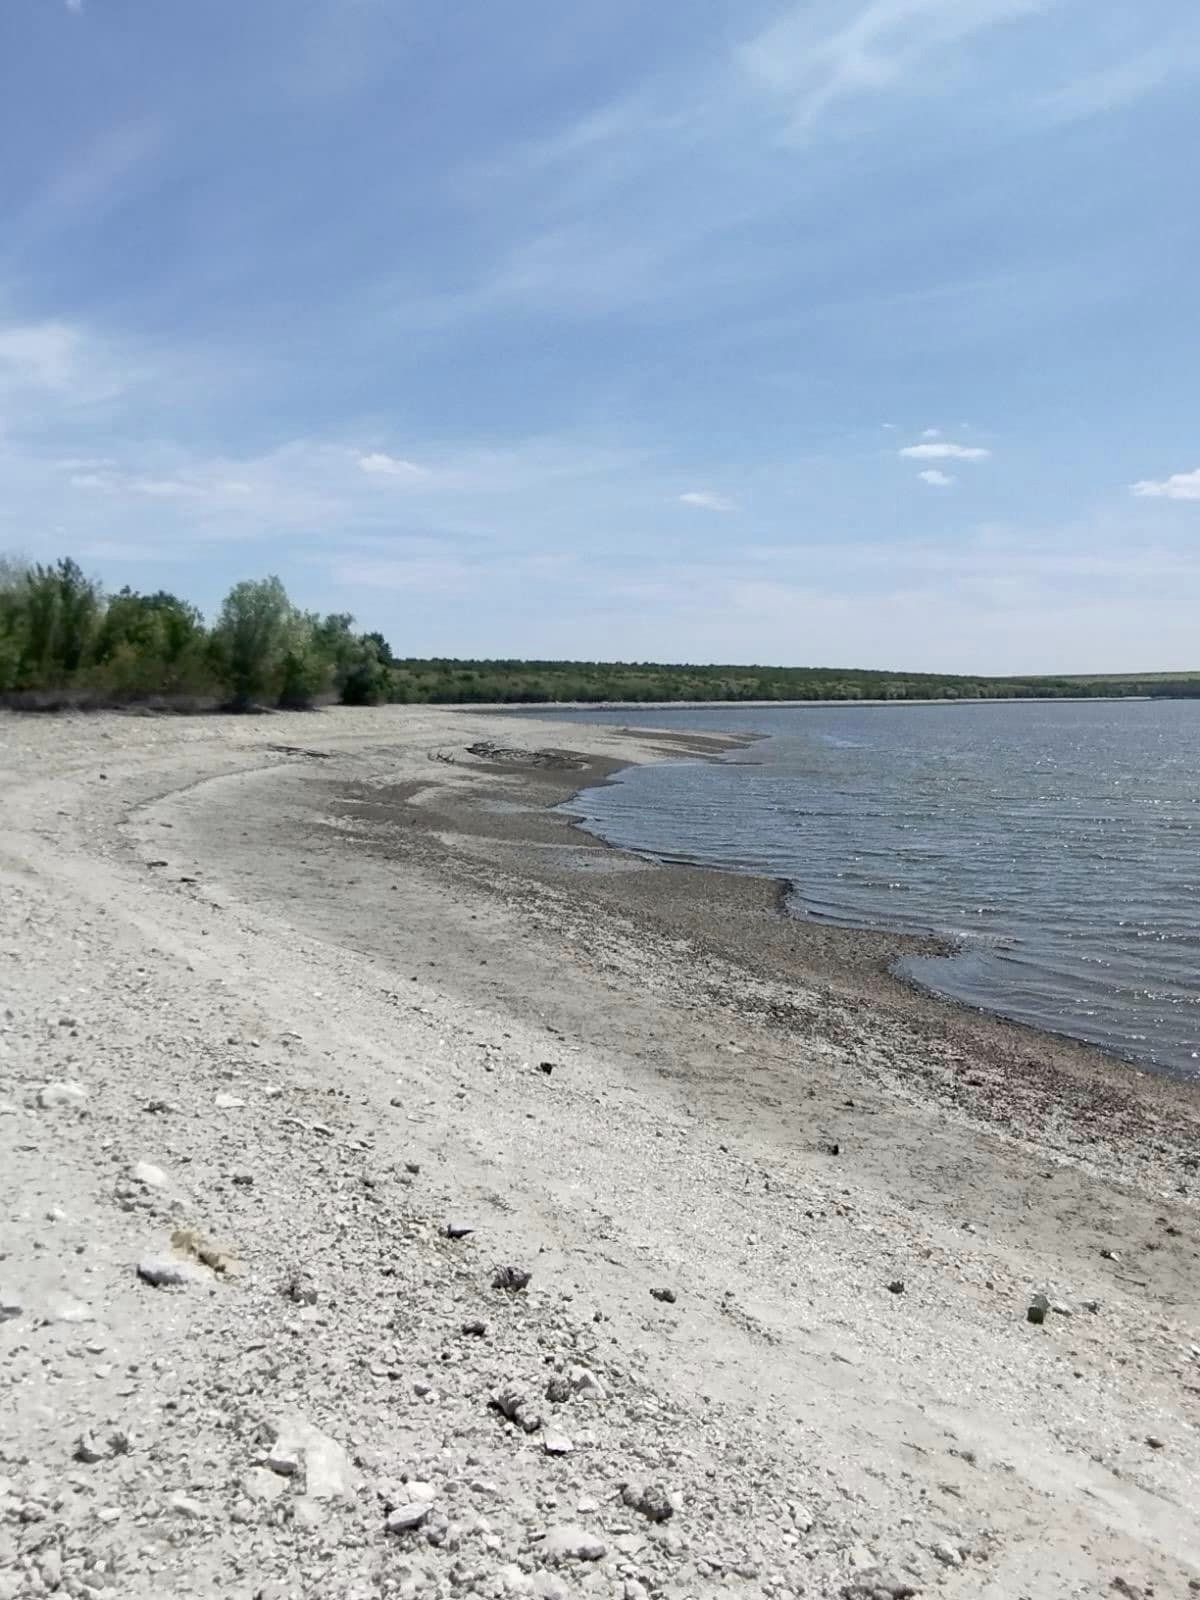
{"x": 421, "y": 1493}
{"x": 572, "y": 1543}
{"x": 584, "y": 1382}
{"x": 556, "y": 1444}
{"x": 259, "y": 1484}
{"x": 947, "y": 1554}
{"x": 150, "y": 1176}
{"x": 63, "y": 1093}
{"x": 228, "y": 1102}
{"x": 10, "y": 1306}
{"x": 88, "y": 1450}
{"x": 65, "y": 1308}
{"x": 410, "y": 1515}
{"x": 171, "y": 1272}
{"x": 327, "y": 1472}
{"x": 185, "y": 1506}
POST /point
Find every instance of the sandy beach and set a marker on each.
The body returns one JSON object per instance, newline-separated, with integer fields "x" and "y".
{"x": 311, "y": 1024}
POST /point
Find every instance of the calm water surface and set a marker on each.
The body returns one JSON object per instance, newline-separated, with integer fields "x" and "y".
{"x": 1060, "y": 844}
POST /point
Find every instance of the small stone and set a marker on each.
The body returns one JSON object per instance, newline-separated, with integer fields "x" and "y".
{"x": 169, "y": 1272}
{"x": 299, "y": 1287}
{"x": 514, "y": 1279}
{"x": 88, "y": 1450}
{"x": 1038, "y": 1308}
{"x": 285, "y": 1463}
{"x": 410, "y": 1515}
{"x": 558, "y": 1389}
{"x": 65, "y": 1308}
{"x": 475, "y": 1329}
{"x": 1155, "y": 1443}
{"x": 185, "y": 1506}
{"x": 802, "y": 1517}
{"x": 650, "y": 1499}
{"x": 10, "y": 1306}
{"x": 64, "y": 1093}
{"x": 513, "y": 1402}
{"x": 151, "y": 1177}
{"x": 458, "y": 1230}
{"x": 556, "y": 1444}
{"x": 262, "y": 1485}
{"x": 949, "y": 1555}
{"x": 896, "y": 1286}
{"x": 667, "y": 1296}
{"x": 572, "y": 1543}
{"x": 1109, "y": 1255}
{"x": 228, "y": 1102}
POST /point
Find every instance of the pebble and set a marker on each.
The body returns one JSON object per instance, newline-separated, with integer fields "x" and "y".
{"x": 667, "y": 1296}
{"x": 570, "y": 1542}
{"x": 150, "y": 1176}
{"x": 896, "y": 1286}
{"x": 228, "y": 1102}
{"x": 514, "y": 1279}
{"x": 410, "y": 1515}
{"x": 185, "y": 1506}
{"x": 1038, "y": 1308}
{"x": 88, "y": 1450}
{"x": 10, "y": 1306}
{"x": 650, "y": 1499}
{"x": 169, "y": 1272}
{"x": 556, "y": 1444}
{"x": 949, "y": 1555}
{"x": 65, "y": 1093}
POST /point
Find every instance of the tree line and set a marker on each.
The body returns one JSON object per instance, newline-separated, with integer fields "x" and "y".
{"x": 64, "y": 640}
{"x": 62, "y": 635}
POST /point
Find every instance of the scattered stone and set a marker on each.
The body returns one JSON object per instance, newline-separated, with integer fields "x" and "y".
{"x": 558, "y": 1389}
{"x": 513, "y": 1402}
{"x": 65, "y": 1093}
{"x": 284, "y": 1463}
{"x": 1038, "y": 1308}
{"x": 185, "y": 1506}
{"x": 299, "y": 1287}
{"x": 10, "y": 1306}
{"x": 410, "y": 1515}
{"x": 327, "y": 1472}
{"x": 584, "y": 1382}
{"x": 949, "y": 1555}
{"x": 667, "y": 1296}
{"x": 650, "y": 1499}
{"x": 546, "y": 1067}
{"x": 572, "y": 1543}
{"x": 228, "y": 1102}
{"x": 514, "y": 1279}
{"x": 475, "y": 1329}
{"x": 262, "y": 1485}
{"x": 556, "y": 1444}
{"x": 458, "y": 1230}
{"x": 1155, "y": 1443}
{"x": 88, "y": 1450}
{"x": 170, "y": 1272}
{"x": 151, "y": 1177}
{"x": 896, "y": 1286}
{"x": 1109, "y": 1255}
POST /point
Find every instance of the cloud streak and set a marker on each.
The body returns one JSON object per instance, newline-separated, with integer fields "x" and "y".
{"x": 707, "y": 500}
{"x": 945, "y": 450}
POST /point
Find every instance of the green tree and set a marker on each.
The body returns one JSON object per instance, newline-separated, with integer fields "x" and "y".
{"x": 251, "y": 638}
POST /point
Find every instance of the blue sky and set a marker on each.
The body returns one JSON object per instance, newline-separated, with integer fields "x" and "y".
{"x": 859, "y": 332}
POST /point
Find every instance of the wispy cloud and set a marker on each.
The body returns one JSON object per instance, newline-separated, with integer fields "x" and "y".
{"x": 936, "y": 478}
{"x": 707, "y": 500}
{"x": 379, "y": 464}
{"x": 815, "y": 57}
{"x": 75, "y": 6}
{"x": 1179, "y": 486}
{"x": 1124, "y": 82}
{"x": 945, "y": 450}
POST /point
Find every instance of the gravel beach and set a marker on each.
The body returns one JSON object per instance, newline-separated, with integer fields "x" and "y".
{"x": 406, "y": 1194}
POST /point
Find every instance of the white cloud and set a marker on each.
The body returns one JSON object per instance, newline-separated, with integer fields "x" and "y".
{"x": 945, "y": 450}
{"x": 939, "y": 480}
{"x": 385, "y": 466}
{"x": 1179, "y": 486}
{"x": 932, "y": 433}
{"x": 814, "y": 55}
{"x": 707, "y": 500}
{"x": 75, "y": 6}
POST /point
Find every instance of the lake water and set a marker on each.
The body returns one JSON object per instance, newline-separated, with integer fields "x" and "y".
{"x": 1059, "y": 842}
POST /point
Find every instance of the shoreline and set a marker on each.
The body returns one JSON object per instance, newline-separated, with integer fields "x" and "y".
{"x": 382, "y": 1022}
